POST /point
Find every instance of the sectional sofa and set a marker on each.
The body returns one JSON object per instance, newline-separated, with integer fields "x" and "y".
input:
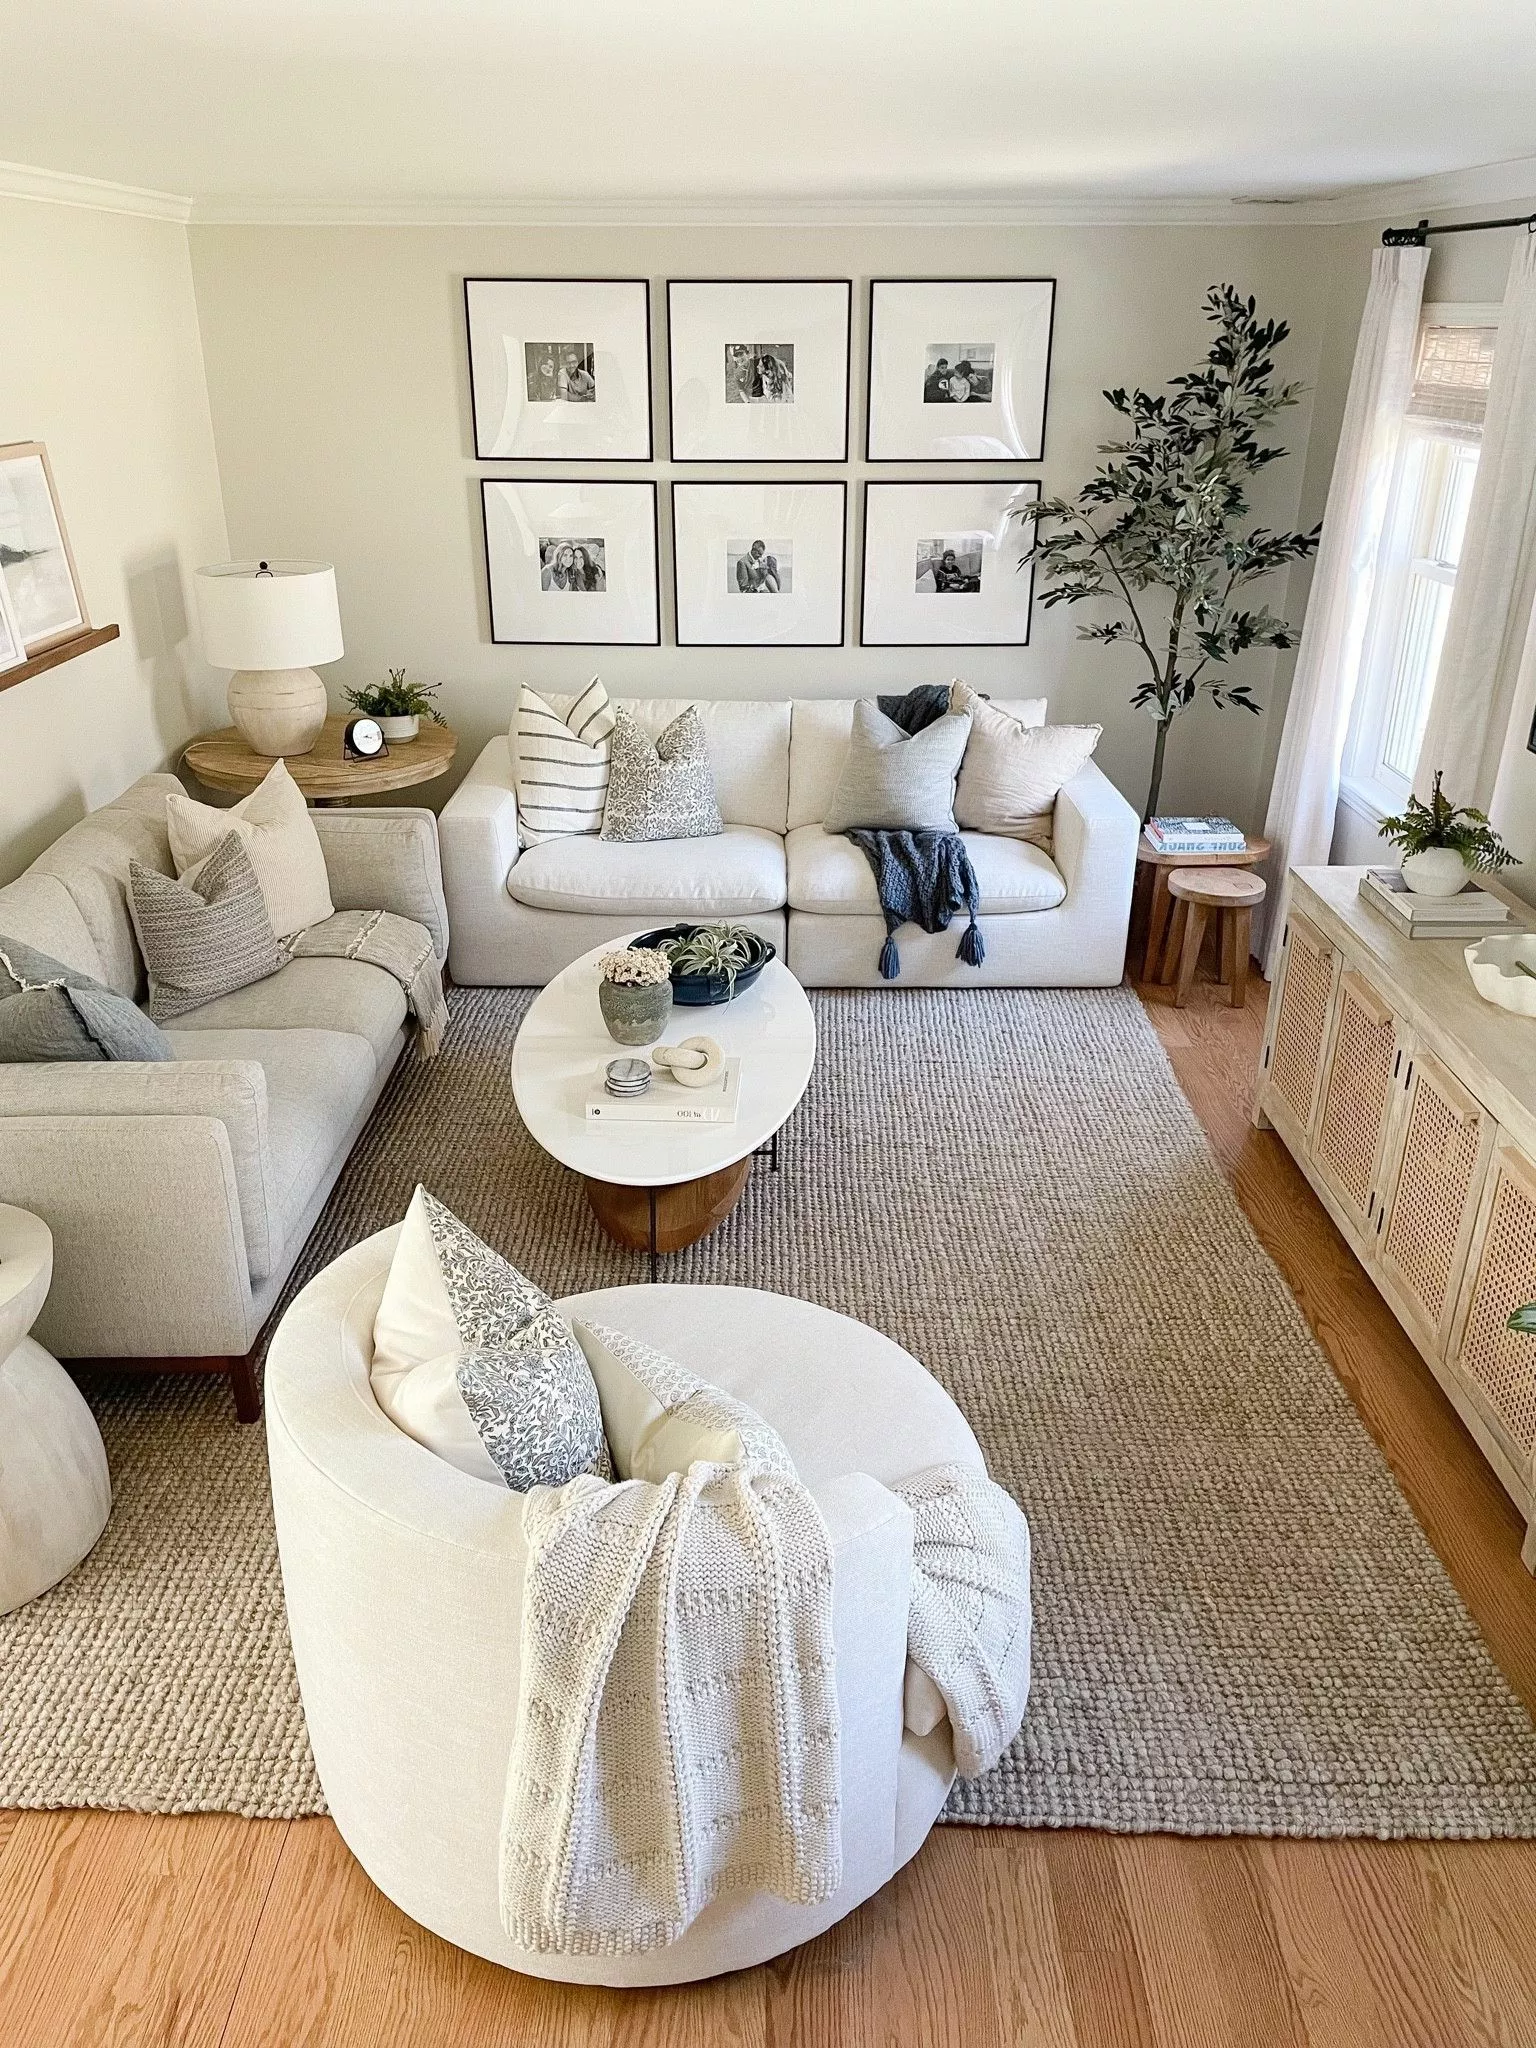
{"x": 180, "y": 1194}
{"x": 520, "y": 914}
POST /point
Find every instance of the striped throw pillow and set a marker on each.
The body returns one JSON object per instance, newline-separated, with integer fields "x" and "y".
{"x": 560, "y": 764}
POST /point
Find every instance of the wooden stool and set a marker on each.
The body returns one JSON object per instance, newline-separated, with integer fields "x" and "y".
{"x": 1153, "y": 906}
{"x": 1232, "y": 894}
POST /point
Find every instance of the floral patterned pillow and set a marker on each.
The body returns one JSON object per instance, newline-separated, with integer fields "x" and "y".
{"x": 660, "y": 789}
{"x": 476, "y": 1363}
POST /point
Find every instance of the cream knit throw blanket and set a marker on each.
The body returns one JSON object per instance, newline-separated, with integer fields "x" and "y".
{"x": 677, "y": 1726}
{"x": 400, "y": 946}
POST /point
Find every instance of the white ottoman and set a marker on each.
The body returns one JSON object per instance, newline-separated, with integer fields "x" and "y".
{"x": 55, "y": 1492}
{"x": 403, "y": 1581}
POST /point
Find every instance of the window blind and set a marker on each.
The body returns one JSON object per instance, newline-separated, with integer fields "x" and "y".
{"x": 1450, "y": 378}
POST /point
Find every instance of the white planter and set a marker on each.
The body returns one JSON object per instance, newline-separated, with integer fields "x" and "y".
{"x": 1438, "y": 871}
{"x": 399, "y": 730}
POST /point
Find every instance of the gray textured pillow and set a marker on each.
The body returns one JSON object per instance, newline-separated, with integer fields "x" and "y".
{"x": 203, "y": 938}
{"x": 893, "y": 781}
{"x": 660, "y": 789}
{"x": 52, "y": 1012}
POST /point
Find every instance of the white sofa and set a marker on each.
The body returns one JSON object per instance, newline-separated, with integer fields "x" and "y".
{"x": 403, "y": 1578}
{"x": 519, "y": 916}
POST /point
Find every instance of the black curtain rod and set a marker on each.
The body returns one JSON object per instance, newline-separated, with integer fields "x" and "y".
{"x": 1414, "y": 238}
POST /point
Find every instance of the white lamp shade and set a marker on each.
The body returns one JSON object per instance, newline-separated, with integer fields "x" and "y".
{"x": 269, "y": 615}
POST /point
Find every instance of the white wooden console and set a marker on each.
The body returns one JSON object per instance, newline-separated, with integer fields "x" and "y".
{"x": 1410, "y": 1105}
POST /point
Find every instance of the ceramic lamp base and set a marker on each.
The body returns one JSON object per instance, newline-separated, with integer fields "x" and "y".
{"x": 278, "y": 710}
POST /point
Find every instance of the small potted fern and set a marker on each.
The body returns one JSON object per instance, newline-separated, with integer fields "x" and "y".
{"x": 1442, "y": 843}
{"x": 398, "y": 704}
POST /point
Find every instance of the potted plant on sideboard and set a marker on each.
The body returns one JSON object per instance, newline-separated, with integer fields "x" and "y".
{"x": 1443, "y": 842}
{"x": 398, "y": 704}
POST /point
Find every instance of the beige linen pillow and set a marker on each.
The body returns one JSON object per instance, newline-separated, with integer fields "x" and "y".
{"x": 896, "y": 781}
{"x": 274, "y": 826}
{"x": 1012, "y": 773}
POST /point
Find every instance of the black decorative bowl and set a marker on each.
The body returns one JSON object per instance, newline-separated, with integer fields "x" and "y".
{"x": 697, "y": 989}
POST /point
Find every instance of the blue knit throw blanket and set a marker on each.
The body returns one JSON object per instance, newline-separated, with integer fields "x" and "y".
{"x": 923, "y": 878}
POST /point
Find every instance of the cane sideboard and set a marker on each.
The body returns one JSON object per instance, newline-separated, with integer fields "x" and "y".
{"x": 1410, "y": 1105}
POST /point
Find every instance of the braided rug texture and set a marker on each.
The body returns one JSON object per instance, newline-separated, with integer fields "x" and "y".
{"x": 1239, "y": 1626}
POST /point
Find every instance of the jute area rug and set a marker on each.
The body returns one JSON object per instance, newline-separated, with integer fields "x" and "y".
{"x": 1240, "y": 1627}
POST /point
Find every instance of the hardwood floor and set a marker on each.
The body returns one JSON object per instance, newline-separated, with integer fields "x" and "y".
{"x": 128, "y": 1929}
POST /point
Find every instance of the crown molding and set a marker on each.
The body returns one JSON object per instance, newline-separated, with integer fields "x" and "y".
{"x": 63, "y": 188}
{"x": 1501, "y": 184}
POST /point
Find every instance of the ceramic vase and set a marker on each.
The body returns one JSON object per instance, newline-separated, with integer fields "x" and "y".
{"x": 1437, "y": 871}
{"x": 400, "y": 731}
{"x": 635, "y": 1015}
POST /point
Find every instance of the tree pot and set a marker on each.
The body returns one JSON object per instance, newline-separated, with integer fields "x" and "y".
{"x": 635, "y": 1015}
{"x": 1437, "y": 871}
{"x": 398, "y": 731}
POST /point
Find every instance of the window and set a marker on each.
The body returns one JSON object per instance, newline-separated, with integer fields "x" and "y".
{"x": 1426, "y": 522}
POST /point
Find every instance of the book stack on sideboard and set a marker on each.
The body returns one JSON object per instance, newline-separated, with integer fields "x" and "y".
{"x": 1410, "y": 1105}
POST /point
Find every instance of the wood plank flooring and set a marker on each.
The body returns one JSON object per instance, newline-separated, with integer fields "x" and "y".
{"x": 210, "y": 1932}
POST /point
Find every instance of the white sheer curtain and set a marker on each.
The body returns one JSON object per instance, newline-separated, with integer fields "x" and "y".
{"x": 1306, "y": 790}
{"x": 1491, "y": 605}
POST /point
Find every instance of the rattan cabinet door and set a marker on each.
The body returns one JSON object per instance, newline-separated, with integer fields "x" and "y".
{"x": 1444, "y": 1136}
{"x": 1294, "y": 1055}
{"x": 1498, "y": 1363}
{"x": 1357, "y": 1095}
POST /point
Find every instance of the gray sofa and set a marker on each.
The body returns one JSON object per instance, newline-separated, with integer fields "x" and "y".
{"x": 180, "y": 1194}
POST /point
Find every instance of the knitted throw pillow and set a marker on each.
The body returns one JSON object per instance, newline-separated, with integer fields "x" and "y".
{"x": 1012, "y": 772}
{"x": 52, "y": 1012}
{"x": 204, "y": 938}
{"x": 895, "y": 782}
{"x": 660, "y": 789}
{"x": 274, "y": 825}
{"x": 560, "y": 764}
{"x": 477, "y": 1364}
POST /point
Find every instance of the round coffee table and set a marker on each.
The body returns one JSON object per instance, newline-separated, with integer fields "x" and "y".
{"x": 658, "y": 1187}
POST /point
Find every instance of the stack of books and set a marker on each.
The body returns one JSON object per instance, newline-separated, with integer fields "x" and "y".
{"x": 1194, "y": 835}
{"x": 1470, "y": 915}
{"x": 668, "y": 1102}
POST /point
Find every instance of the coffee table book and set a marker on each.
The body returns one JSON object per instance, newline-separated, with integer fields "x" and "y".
{"x": 1471, "y": 914}
{"x": 669, "y": 1102}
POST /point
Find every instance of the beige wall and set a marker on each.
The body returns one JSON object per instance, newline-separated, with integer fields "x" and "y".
{"x": 100, "y": 358}
{"x": 336, "y": 372}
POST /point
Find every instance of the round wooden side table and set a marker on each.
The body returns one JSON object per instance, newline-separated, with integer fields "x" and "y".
{"x": 223, "y": 760}
{"x": 1233, "y": 896}
{"x": 1154, "y": 905}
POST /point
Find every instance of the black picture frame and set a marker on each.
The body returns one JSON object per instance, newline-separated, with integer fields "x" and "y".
{"x": 640, "y": 284}
{"x": 819, "y": 483}
{"x": 762, "y": 460}
{"x": 631, "y": 483}
{"x": 1027, "y": 484}
{"x": 869, "y": 372}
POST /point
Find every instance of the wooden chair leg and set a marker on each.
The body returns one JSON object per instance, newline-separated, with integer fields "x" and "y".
{"x": 1157, "y": 926}
{"x": 1189, "y": 955}
{"x": 1226, "y": 928}
{"x": 1242, "y": 946}
{"x": 242, "y": 1380}
{"x": 1173, "y": 945}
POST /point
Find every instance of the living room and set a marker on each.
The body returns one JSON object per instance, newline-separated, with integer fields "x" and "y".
{"x": 807, "y": 1319}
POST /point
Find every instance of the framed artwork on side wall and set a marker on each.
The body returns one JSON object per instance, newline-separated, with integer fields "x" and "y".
{"x": 958, "y": 368}
{"x": 759, "y": 369}
{"x": 560, "y": 368}
{"x": 42, "y": 585}
{"x": 759, "y": 565}
{"x": 948, "y": 565}
{"x": 572, "y": 563}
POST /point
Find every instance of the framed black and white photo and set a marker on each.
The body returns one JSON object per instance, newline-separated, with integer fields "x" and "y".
{"x": 12, "y": 652}
{"x": 41, "y": 583}
{"x": 948, "y": 565}
{"x": 572, "y": 563}
{"x": 759, "y": 565}
{"x": 759, "y": 369}
{"x": 958, "y": 368}
{"x": 560, "y": 368}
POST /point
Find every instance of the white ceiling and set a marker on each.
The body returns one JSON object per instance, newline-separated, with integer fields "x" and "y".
{"x": 337, "y": 105}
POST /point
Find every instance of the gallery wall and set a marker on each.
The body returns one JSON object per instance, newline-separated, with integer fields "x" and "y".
{"x": 100, "y": 359}
{"x": 338, "y": 381}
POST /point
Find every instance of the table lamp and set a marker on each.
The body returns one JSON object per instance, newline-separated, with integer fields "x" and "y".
{"x": 269, "y": 621}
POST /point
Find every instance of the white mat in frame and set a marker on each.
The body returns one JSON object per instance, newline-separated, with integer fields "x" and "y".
{"x": 948, "y": 565}
{"x": 759, "y": 565}
{"x": 572, "y": 561}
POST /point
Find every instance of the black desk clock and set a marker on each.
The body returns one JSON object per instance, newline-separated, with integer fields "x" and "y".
{"x": 363, "y": 740}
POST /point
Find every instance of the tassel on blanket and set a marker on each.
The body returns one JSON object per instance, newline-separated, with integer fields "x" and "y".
{"x": 972, "y": 948}
{"x": 890, "y": 959}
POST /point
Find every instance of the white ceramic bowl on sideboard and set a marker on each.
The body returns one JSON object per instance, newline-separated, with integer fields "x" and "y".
{"x": 1497, "y": 978}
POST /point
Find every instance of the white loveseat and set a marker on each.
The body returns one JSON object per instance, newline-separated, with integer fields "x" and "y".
{"x": 519, "y": 916}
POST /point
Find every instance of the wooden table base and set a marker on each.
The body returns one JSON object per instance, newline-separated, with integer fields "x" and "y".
{"x": 679, "y": 1214}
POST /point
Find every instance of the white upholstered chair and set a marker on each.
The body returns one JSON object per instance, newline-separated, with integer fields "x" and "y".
{"x": 403, "y": 1579}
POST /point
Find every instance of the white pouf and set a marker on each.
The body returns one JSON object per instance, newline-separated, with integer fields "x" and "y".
{"x": 55, "y": 1491}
